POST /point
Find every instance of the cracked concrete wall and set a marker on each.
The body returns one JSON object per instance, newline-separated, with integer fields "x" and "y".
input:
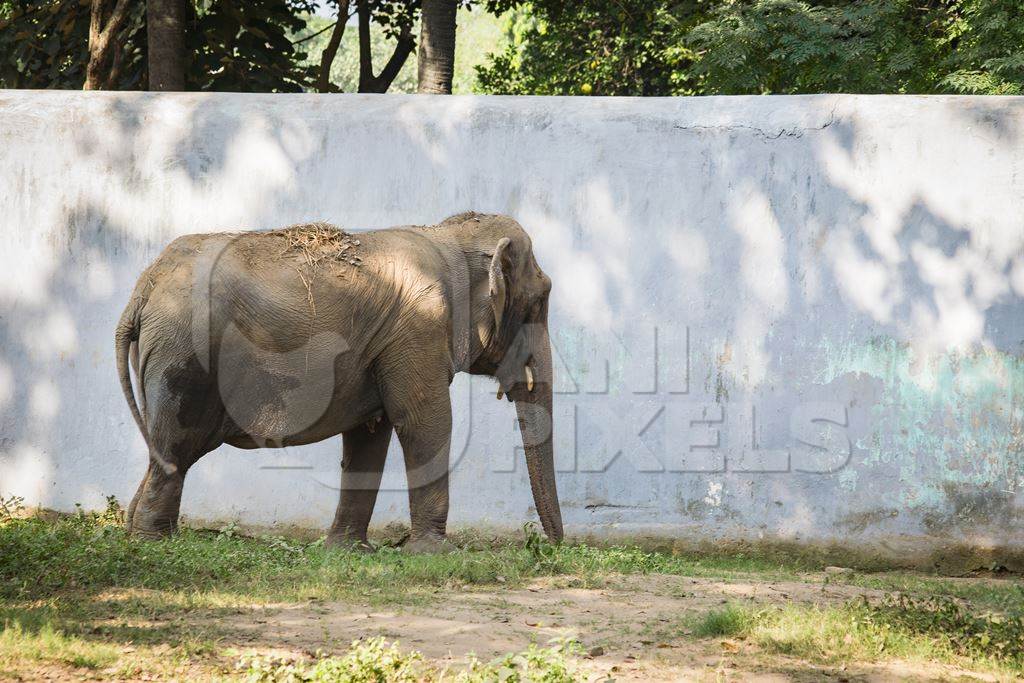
{"x": 783, "y": 318}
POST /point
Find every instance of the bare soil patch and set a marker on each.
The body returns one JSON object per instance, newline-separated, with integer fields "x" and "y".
{"x": 634, "y": 628}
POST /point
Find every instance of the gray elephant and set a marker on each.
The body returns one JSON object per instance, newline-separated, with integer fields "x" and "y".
{"x": 288, "y": 337}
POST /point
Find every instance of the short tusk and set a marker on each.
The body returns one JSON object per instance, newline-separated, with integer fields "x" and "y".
{"x": 529, "y": 378}
{"x": 501, "y": 394}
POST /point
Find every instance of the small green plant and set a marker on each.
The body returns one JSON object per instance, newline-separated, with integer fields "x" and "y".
{"x": 284, "y": 544}
{"x": 367, "y": 661}
{"x": 229, "y": 530}
{"x": 113, "y": 514}
{"x": 542, "y": 550}
{"x": 535, "y": 664}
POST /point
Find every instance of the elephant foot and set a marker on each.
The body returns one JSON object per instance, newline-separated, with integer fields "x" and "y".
{"x": 146, "y": 524}
{"x": 355, "y": 545}
{"x": 429, "y": 545}
{"x": 150, "y": 533}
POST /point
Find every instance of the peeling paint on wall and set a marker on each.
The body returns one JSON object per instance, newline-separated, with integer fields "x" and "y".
{"x": 951, "y": 418}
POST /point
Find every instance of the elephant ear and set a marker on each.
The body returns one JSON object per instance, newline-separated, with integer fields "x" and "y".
{"x": 497, "y": 283}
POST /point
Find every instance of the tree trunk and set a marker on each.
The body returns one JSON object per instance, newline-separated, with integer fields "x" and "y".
{"x": 165, "y": 32}
{"x": 437, "y": 46}
{"x": 323, "y": 81}
{"x": 104, "y": 64}
{"x": 367, "y": 81}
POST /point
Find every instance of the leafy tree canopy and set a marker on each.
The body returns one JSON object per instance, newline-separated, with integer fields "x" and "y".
{"x": 234, "y": 45}
{"x": 663, "y": 47}
{"x": 600, "y": 47}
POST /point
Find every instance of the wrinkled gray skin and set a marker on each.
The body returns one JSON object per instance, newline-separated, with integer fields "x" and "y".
{"x": 237, "y": 339}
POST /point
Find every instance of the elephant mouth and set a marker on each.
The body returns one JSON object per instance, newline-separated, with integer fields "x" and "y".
{"x": 517, "y": 385}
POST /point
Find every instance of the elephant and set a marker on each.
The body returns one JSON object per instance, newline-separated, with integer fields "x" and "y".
{"x": 267, "y": 339}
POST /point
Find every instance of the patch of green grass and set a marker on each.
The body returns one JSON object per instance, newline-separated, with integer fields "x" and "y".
{"x": 899, "y": 627}
{"x": 80, "y": 584}
{"x": 1003, "y": 595}
{"x": 729, "y": 621}
{"x": 92, "y": 552}
{"x": 45, "y": 644}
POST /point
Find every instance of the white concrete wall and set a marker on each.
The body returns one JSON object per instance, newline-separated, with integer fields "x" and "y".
{"x": 735, "y": 278}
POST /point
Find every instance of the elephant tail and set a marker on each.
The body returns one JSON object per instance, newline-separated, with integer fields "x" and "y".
{"x": 126, "y": 334}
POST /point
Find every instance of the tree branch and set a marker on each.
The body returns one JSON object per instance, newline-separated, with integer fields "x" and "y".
{"x": 325, "y": 29}
{"x": 100, "y": 35}
{"x": 405, "y": 46}
{"x": 323, "y": 83}
{"x": 365, "y": 55}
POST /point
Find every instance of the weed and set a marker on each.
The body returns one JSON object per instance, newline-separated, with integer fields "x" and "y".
{"x": 534, "y": 665}
{"x": 375, "y": 661}
{"x": 730, "y": 621}
{"x": 367, "y": 661}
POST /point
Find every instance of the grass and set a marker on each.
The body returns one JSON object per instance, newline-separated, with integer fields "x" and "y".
{"x": 48, "y": 645}
{"x": 90, "y": 552}
{"x": 730, "y": 621}
{"x": 937, "y": 629}
{"x": 77, "y": 593}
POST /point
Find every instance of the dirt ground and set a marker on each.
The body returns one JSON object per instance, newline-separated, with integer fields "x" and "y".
{"x": 634, "y": 629}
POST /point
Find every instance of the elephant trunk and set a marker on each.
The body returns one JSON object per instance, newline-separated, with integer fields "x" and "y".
{"x": 536, "y": 425}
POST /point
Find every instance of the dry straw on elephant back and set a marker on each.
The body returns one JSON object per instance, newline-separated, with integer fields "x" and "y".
{"x": 319, "y": 242}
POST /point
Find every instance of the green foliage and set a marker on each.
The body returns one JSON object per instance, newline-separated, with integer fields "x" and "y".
{"x": 244, "y": 46}
{"x": 599, "y": 47}
{"x": 999, "y": 637}
{"x": 664, "y": 47}
{"x": 988, "y": 49}
{"x": 535, "y": 664}
{"x": 45, "y": 44}
{"x": 367, "y": 661}
{"x": 870, "y": 46}
{"x": 792, "y": 46}
{"x": 233, "y": 46}
{"x": 375, "y": 661}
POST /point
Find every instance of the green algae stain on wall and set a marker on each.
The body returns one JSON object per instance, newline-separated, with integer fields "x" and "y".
{"x": 940, "y": 418}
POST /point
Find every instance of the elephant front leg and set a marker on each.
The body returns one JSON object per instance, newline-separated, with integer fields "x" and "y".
{"x": 426, "y": 449}
{"x": 362, "y": 465}
{"x": 422, "y": 416}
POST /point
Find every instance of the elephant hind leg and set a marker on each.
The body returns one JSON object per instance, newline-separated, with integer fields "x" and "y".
{"x": 178, "y": 440}
{"x": 154, "y": 510}
{"x": 362, "y": 465}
